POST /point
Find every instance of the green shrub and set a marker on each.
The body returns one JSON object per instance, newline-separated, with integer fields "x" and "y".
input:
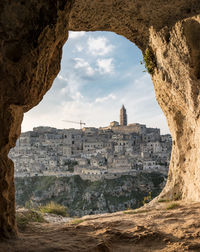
{"x": 172, "y": 206}
{"x": 77, "y": 221}
{"x": 130, "y": 212}
{"x": 149, "y": 60}
{"x": 147, "y": 199}
{"x": 54, "y": 208}
{"x": 163, "y": 200}
{"x": 135, "y": 211}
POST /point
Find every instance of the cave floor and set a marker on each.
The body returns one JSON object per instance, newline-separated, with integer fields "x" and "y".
{"x": 168, "y": 227}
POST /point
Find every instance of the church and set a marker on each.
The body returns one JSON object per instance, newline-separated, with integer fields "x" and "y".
{"x": 123, "y": 116}
{"x": 124, "y": 128}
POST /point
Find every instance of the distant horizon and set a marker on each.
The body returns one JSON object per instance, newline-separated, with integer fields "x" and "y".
{"x": 78, "y": 128}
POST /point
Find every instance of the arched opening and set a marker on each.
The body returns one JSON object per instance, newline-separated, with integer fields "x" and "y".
{"x": 31, "y": 53}
{"x": 100, "y": 71}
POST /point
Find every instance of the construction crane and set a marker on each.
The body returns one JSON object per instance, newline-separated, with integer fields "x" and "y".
{"x": 80, "y": 123}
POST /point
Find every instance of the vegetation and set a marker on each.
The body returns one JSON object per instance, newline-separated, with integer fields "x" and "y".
{"x": 29, "y": 204}
{"x": 172, "y": 206}
{"x": 26, "y": 217}
{"x": 130, "y": 212}
{"x": 157, "y": 180}
{"x": 54, "y": 208}
{"x": 149, "y": 60}
{"x": 147, "y": 199}
{"x": 72, "y": 191}
{"x": 177, "y": 196}
{"x": 163, "y": 200}
{"x": 77, "y": 221}
{"x": 136, "y": 211}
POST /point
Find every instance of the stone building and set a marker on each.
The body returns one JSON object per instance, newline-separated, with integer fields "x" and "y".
{"x": 123, "y": 116}
{"x": 116, "y": 147}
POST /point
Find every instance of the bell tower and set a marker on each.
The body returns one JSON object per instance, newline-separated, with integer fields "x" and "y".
{"x": 123, "y": 116}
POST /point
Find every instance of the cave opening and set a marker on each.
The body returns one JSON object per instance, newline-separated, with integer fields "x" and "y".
{"x": 100, "y": 71}
{"x": 30, "y": 60}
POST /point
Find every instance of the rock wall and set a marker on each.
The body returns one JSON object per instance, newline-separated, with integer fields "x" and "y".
{"x": 177, "y": 86}
{"x": 32, "y": 35}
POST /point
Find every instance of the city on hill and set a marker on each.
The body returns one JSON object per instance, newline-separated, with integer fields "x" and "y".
{"x": 93, "y": 153}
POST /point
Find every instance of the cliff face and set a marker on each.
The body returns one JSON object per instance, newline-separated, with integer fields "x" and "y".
{"x": 83, "y": 197}
{"x": 32, "y": 36}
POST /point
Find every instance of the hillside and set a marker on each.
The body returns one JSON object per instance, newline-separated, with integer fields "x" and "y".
{"x": 83, "y": 197}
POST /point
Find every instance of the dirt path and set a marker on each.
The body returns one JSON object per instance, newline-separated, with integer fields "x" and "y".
{"x": 176, "y": 229}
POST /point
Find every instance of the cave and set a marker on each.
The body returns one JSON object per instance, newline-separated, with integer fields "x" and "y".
{"x": 167, "y": 32}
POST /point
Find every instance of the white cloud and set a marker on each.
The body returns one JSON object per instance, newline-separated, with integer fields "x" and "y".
{"x": 105, "y": 98}
{"x": 99, "y": 112}
{"x": 71, "y": 97}
{"x": 99, "y": 46}
{"x": 78, "y": 96}
{"x": 71, "y": 90}
{"x": 105, "y": 65}
{"x": 92, "y": 113}
{"x": 60, "y": 77}
{"x": 79, "y": 48}
{"x": 76, "y": 35}
{"x": 81, "y": 63}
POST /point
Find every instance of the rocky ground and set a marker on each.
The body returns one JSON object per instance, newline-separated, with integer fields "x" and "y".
{"x": 170, "y": 226}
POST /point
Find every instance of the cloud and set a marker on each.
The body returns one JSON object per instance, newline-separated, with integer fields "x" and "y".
{"x": 60, "y": 77}
{"x": 86, "y": 88}
{"x": 71, "y": 89}
{"x": 105, "y": 66}
{"x": 76, "y": 35}
{"x": 89, "y": 112}
{"x": 79, "y": 48}
{"x": 81, "y": 63}
{"x": 105, "y": 98}
{"x": 99, "y": 46}
{"x": 100, "y": 111}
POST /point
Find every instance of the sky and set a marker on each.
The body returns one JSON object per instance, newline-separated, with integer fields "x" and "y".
{"x": 100, "y": 71}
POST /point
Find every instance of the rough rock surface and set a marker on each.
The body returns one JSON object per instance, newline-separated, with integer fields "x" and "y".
{"x": 157, "y": 230}
{"x": 32, "y": 35}
{"x": 83, "y": 197}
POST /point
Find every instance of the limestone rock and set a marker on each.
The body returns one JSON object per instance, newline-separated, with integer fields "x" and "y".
{"x": 32, "y": 35}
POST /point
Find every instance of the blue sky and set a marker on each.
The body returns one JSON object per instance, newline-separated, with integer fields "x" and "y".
{"x": 100, "y": 71}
